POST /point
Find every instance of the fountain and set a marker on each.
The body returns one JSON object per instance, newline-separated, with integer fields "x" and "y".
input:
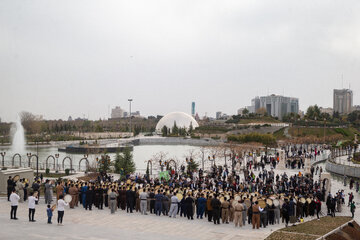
{"x": 18, "y": 137}
{"x": 18, "y": 146}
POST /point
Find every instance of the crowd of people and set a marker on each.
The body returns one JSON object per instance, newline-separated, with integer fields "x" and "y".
{"x": 259, "y": 197}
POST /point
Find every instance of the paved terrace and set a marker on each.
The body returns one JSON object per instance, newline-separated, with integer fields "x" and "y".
{"x": 100, "y": 224}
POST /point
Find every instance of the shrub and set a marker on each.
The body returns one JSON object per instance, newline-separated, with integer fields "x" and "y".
{"x": 47, "y": 171}
{"x": 265, "y": 139}
{"x": 67, "y": 172}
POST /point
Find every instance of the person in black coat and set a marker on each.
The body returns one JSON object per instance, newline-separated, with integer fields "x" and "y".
{"x": 10, "y": 186}
{"x": 189, "y": 208}
{"x": 216, "y": 205}
{"x": 89, "y": 198}
{"x": 130, "y": 200}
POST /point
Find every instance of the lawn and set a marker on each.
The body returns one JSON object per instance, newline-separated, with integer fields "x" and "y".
{"x": 347, "y": 133}
{"x": 309, "y": 230}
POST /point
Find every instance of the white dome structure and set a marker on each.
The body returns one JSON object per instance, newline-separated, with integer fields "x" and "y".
{"x": 180, "y": 118}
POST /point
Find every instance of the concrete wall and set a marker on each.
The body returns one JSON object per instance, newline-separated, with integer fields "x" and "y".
{"x": 22, "y": 172}
{"x": 342, "y": 169}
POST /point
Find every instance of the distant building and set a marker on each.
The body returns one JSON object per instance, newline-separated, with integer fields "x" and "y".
{"x": 275, "y": 105}
{"x": 197, "y": 118}
{"x": 328, "y": 110}
{"x": 343, "y": 101}
{"x": 70, "y": 119}
{"x": 218, "y": 115}
{"x": 133, "y": 114}
{"x": 355, "y": 108}
{"x": 193, "y": 109}
{"x": 240, "y": 111}
{"x": 255, "y": 105}
{"x": 117, "y": 112}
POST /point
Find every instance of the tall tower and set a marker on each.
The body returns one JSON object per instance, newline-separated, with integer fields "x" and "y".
{"x": 193, "y": 109}
{"x": 343, "y": 101}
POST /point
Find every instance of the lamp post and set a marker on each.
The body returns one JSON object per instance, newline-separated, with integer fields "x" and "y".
{"x": 130, "y": 100}
{"x": 29, "y": 157}
{"x": 3, "y": 157}
{"x": 324, "y": 130}
{"x": 57, "y": 162}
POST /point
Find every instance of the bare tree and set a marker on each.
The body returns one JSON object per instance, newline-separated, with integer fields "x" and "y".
{"x": 202, "y": 152}
{"x": 159, "y": 158}
{"x": 191, "y": 154}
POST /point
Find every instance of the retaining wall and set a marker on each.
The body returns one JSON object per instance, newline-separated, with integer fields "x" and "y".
{"x": 342, "y": 169}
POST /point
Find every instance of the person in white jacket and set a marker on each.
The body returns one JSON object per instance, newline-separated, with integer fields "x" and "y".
{"x": 32, "y": 200}
{"x": 14, "y": 199}
{"x": 61, "y": 208}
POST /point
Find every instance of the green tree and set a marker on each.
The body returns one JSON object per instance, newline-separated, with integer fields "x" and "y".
{"x": 191, "y": 128}
{"x": 104, "y": 163}
{"x": 313, "y": 112}
{"x": 192, "y": 166}
{"x": 124, "y": 162}
{"x": 164, "y": 131}
{"x": 175, "y": 129}
{"x": 245, "y": 112}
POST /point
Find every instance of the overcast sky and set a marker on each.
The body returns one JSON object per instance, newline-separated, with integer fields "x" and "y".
{"x": 61, "y": 58}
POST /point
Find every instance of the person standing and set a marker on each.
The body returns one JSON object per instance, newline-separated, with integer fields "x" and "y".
{"x": 174, "y": 206}
{"x": 317, "y": 207}
{"x": 245, "y": 208}
{"x": 14, "y": 199}
{"x": 48, "y": 192}
{"x": 36, "y": 188}
{"x": 31, "y": 204}
{"x": 20, "y": 189}
{"x": 49, "y": 214}
{"x": 256, "y": 215}
{"x": 189, "y": 208}
{"x": 61, "y": 209}
{"x": 89, "y": 198}
{"x": 158, "y": 203}
{"x": 352, "y": 208}
{"x": 10, "y": 186}
{"x": 59, "y": 190}
{"x": 130, "y": 200}
{"x": 231, "y": 212}
{"x": 143, "y": 202}
{"x": 73, "y": 191}
{"x": 225, "y": 206}
{"x": 152, "y": 201}
{"x": 122, "y": 198}
{"x": 238, "y": 212}
{"x": 216, "y": 204}
{"x": 83, "y": 190}
{"x": 166, "y": 204}
{"x": 112, "y": 200}
{"x": 277, "y": 214}
{"x": 209, "y": 208}
{"x": 201, "y": 204}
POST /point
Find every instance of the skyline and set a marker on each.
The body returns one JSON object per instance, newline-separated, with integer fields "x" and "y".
{"x": 62, "y": 59}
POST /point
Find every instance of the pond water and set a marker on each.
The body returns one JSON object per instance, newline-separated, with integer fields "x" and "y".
{"x": 141, "y": 154}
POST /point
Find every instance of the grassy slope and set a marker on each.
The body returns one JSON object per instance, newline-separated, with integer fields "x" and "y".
{"x": 347, "y": 133}
{"x": 315, "y": 228}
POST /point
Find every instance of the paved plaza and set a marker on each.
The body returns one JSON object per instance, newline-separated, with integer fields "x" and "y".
{"x": 100, "y": 224}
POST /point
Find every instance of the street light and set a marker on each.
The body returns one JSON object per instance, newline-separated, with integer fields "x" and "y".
{"x": 29, "y": 157}
{"x": 324, "y": 130}
{"x": 57, "y": 162}
{"x": 130, "y": 100}
{"x": 3, "y": 157}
